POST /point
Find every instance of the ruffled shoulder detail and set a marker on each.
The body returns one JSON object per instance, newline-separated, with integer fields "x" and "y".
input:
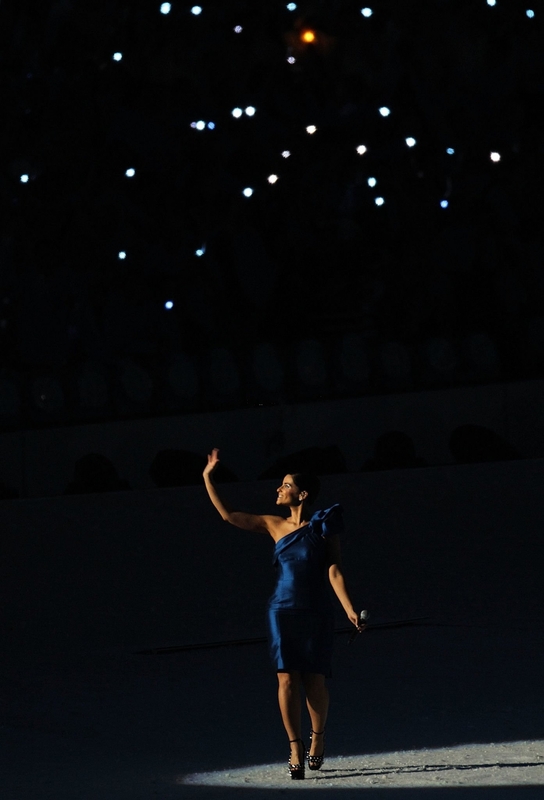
{"x": 329, "y": 521}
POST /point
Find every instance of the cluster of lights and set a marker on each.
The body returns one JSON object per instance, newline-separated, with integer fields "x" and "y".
{"x": 307, "y": 36}
{"x": 24, "y": 178}
{"x": 238, "y": 112}
{"x": 200, "y": 125}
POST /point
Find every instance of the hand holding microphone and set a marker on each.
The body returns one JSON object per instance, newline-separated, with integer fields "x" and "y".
{"x": 363, "y": 616}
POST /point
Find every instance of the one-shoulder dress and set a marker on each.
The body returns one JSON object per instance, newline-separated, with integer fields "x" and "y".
{"x": 300, "y": 615}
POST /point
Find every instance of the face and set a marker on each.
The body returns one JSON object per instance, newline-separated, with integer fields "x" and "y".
{"x": 289, "y": 494}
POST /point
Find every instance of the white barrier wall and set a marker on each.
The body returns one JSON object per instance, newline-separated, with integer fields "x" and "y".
{"x": 40, "y": 463}
{"x": 159, "y": 567}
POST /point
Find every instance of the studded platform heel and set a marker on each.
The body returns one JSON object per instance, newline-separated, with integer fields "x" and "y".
{"x": 315, "y": 762}
{"x": 296, "y": 771}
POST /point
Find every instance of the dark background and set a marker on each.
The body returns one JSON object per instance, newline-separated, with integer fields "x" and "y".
{"x": 434, "y": 297}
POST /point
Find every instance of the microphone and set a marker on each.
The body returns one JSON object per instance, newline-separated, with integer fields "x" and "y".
{"x": 363, "y": 616}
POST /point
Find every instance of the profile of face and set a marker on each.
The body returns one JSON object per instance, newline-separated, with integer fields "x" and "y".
{"x": 289, "y": 493}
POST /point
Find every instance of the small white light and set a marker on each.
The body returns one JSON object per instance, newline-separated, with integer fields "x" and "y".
{"x": 379, "y": 201}
{"x": 372, "y": 182}
{"x": 366, "y": 12}
{"x": 450, "y": 151}
{"x": 130, "y": 173}
{"x": 291, "y": 6}
{"x": 495, "y": 157}
{"x": 286, "y": 153}
{"x": 311, "y": 129}
{"x": 238, "y": 29}
{"x": 410, "y": 141}
{"x": 211, "y": 125}
{"x": 169, "y": 304}
{"x": 247, "y": 192}
{"x": 250, "y": 111}
{"x": 272, "y": 178}
{"x": 491, "y": 2}
{"x": 384, "y": 111}
{"x": 200, "y": 251}
{"x": 122, "y": 255}
{"x": 444, "y": 204}
{"x": 117, "y": 56}
{"x": 237, "y": 113}
{"x": 193, "y": 124}
{"x": 361, "y": 149}
{"x": 24, "y": 178}
{"x": 196, "y": 10}
{"x": 166, "y": 8}
{"x": 291, "y": 59}
{"x": 200, "y": 125}
{"x": 530, "y": 13}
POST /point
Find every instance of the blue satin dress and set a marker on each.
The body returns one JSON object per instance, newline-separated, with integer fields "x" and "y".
{"x": 300, "y": 615}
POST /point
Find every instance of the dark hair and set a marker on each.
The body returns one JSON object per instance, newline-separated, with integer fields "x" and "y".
{"x": 307, "y": 482}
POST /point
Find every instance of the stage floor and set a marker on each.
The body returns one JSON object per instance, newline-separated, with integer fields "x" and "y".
{"x": 432, "y": 711}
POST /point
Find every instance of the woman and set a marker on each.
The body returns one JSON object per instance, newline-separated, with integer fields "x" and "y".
{"x": 300, "y": 617}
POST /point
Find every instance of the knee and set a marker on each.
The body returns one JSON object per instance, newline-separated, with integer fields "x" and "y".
{"x": 288, "y": 680}
{"x": 314, "y": 683}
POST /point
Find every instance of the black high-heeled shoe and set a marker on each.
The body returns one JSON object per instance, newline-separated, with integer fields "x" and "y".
{"x": 296, "y": 771}
{"x": 316, "y": 762}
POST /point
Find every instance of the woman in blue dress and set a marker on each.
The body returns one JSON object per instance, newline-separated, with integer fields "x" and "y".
{"x": 300, "y": 617}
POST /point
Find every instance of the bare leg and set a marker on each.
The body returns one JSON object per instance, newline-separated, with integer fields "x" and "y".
{"x": 317, "y": 701}
{"x": 289, "y": 700}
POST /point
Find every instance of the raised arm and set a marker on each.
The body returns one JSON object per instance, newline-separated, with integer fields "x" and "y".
{"x": 249, "y": 522}
{"x": 338, "y": 583}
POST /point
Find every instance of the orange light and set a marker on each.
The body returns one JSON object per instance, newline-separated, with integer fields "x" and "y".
{"x": 308, "y": 36}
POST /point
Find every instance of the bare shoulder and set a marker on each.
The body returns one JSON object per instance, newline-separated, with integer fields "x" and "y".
{"x": 274, "y": 525}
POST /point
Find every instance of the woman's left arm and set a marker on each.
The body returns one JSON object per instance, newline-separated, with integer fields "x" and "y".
{"x": 338, "y": 583}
